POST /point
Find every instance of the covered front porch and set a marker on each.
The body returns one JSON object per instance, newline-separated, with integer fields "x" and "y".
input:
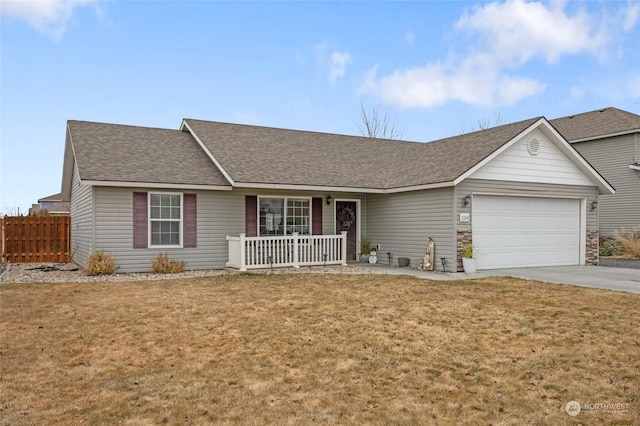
{"x": 293, "y": 250}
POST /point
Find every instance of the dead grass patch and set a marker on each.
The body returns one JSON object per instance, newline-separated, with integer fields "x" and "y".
{"x": 299, "y": 349}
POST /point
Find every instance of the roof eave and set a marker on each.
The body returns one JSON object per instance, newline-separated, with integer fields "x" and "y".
{"x": 133, "y": 184}
{"x": 607, "y": 135}
{"x": 333, "y": 188}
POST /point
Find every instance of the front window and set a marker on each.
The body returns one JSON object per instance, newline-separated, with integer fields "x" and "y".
{"x": 284, "y": 216}
{"x": 165, "y": 219}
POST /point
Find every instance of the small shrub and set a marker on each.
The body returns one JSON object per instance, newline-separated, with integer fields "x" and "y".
{"x": 467, "y": 250}
{"x": 100, "y": 263}
{"x": 365, "y": 245}
{"x": 163, "y": 265}
{"x": 630, "y": 242}
{"x": 610, "y": 248}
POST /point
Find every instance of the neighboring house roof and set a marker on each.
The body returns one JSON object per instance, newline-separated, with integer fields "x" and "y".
{"x": 59, "y": 208}
{"x": 119, "y": 153}
{"x": 262, "y": 156}
{"x": 597, "y": 124}
{"x": 54, "y": 197}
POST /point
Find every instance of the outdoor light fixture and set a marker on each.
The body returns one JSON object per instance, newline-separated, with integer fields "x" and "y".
{"x": 594, "y": 205}
{"x": 466, "y": 200}
{"x": 443, "y": 260}
{"x": 329, "y": 199}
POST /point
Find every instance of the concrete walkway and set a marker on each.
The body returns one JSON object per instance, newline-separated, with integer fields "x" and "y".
{"x": 617, "y": 279}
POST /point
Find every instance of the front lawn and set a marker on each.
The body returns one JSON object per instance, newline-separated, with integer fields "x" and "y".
{"x": 327, "y": 349}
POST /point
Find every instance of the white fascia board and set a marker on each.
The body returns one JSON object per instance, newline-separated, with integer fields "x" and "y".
{"x": 155, "y": 185}
{"x": 573, "y": 154}
{"x": 339, "y": 188}
{"x": 497, "y": 152}
{"x": 206, "y": 150}
{"x": 634, "y": 166}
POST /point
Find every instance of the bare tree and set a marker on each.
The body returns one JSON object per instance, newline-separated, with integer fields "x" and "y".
{"x": 376, "y": 124}
{"x": 483, "y": 124}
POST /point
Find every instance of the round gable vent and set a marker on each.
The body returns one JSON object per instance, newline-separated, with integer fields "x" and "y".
{"x": 533, "y": 146}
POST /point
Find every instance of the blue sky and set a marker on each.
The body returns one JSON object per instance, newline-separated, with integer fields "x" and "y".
{"x": 438, "y": 67}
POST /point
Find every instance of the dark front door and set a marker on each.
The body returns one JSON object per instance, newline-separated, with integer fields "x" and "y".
{"x": 347, "y": 220}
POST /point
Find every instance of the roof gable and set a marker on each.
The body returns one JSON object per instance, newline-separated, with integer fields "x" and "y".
{"x": 118, "y": 153}
{"x": 533, "y": 157}
{"x": 597, "y": 124}
{"x": 561, "y": 164}
{"x": 254, "y": 155}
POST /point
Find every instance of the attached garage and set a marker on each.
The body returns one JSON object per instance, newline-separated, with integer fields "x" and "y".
{"x": 513, "y": 232}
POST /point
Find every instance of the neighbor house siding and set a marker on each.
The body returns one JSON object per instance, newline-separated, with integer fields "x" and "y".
{"x": 219, "y": 213}
{"x": 403, "y": 222}
{"x": 611, "y": 158}
{"x": 82, "y": 220}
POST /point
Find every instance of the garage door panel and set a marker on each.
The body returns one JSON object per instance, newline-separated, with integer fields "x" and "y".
{"x": 525, "y": 231}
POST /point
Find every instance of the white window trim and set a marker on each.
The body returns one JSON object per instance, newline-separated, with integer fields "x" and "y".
{"x": 285, "y": 198}
{"x": 181, "y": 227}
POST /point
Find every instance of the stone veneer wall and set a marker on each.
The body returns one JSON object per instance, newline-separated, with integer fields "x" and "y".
{"x": 464, "y": 237}
{"x": 593, "y": 248}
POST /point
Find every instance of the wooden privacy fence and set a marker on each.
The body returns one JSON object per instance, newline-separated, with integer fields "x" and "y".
{"x": 36, "y": 238}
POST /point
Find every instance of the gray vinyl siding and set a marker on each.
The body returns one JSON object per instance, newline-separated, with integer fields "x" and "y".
{"x": 219, "y": 213}
{"x": 611, "y": 158}
{"x": 81, "y": 211}
{"x": 471, "y": 186}
{"x": 403, "y": 222}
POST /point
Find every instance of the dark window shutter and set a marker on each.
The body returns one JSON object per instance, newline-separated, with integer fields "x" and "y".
{"x": 140, "y": 222}
{"x": 316, "y": 213}
{"x": 189, "y": 222}
{"x": 251, "y": 215}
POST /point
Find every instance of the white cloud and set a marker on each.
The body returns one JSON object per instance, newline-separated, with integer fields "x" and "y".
{"x": 335, "y": 61}
{"x": 436, "y": 84}
{"x": 505, "y": 35}
{"x": 338, "y": 65}
{"x": 516, "y": 31}
{"x": 49, "y": 17}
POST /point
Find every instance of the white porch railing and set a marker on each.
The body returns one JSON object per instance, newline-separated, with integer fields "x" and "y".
{"x": 287, "y": 251}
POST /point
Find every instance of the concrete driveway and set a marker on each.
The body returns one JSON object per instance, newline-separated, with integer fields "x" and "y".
{"x": 618, "y": 279}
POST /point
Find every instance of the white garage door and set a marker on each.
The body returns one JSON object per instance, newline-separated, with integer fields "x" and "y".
{"x": 512, "y": 232}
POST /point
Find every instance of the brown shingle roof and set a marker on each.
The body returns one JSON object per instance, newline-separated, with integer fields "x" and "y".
{"x": 264, "y": 155}
{"x": 113, "y": 152}
{"x": 602, "y": 122}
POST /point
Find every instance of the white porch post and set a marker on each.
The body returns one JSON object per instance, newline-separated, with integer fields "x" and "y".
{"x": 243, "y": 252}
{"x": 296, "y": 261}
{"x": 344, "y": 247}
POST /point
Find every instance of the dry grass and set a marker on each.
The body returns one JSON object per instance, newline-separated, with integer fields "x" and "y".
{"x": 629, "y": 242}
{"x": 302, "y": 349}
